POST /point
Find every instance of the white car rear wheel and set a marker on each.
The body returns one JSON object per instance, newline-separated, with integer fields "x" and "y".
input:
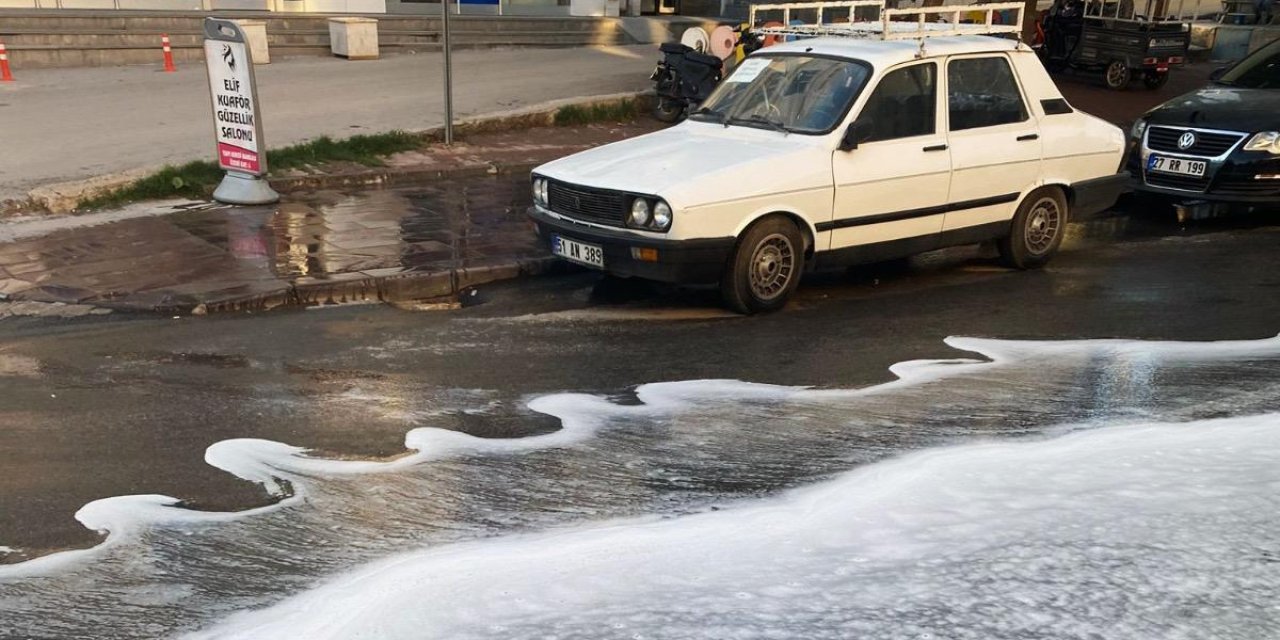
{"x": 1037, "y": 230}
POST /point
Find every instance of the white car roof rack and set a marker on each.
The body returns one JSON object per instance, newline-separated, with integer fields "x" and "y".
{"x": 894, "y": 24}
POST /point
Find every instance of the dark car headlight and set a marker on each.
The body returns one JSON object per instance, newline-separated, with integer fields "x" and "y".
{"x": 1139, "y": 128}
{"x": 1268, "y": 141}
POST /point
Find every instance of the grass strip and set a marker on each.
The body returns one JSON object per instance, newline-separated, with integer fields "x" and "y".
{"x": 197, "y": 180}
{"x": 617, "y": 111}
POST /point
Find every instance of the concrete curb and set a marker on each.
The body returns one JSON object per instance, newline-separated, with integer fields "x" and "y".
{"x": 394, "y": 287}
{"x": 62, "y": 198}
{"x": 359, "y": 287}
{"x": 389, "y": 177}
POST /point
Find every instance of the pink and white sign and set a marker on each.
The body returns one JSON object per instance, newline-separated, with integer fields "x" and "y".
{"x": 237, "y": 128}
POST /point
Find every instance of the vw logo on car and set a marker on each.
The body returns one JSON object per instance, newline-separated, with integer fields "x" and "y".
{"x": 1187, "y": 140}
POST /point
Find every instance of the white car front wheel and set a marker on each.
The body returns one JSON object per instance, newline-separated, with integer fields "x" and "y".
{"x": 765, "y": 267}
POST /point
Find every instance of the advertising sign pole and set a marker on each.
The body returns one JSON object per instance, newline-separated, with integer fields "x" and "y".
{"x": 237, "y": 118}
{"x": 448, "y": 72}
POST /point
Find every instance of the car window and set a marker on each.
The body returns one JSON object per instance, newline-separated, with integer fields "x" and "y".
{"x": 803, "y": 94}
{"x": 1258, "y": 71}
{"x": 904, "y": 104}
{"x": 982, "y": 92}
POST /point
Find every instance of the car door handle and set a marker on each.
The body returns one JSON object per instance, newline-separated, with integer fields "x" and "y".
{"x": 936, "y": 147}
{"x": 1029, "y": 136}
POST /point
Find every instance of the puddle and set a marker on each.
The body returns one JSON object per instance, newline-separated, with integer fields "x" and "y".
{"x": 214, "y": 360}
{"x": 246, "y": 257}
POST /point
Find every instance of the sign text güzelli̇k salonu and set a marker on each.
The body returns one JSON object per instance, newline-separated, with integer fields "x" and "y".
{"x": 235, "y": 114}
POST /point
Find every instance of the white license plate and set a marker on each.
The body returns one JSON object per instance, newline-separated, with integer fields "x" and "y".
{"x": 1180, "y": 166}
{"x": 580, "y": 252}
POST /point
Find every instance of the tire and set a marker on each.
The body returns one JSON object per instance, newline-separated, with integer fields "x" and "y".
{"x": 1037, "y": 230}
{"x": 765, "y": 267}
{"x": 1117, "y": 75}
{"x": 668, "y": 110}
{"x": 1154, "y": 80}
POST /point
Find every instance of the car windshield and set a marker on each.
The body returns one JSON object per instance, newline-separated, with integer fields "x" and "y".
{"x": 793, "y": 93}
{"x": 1258, "y": 71}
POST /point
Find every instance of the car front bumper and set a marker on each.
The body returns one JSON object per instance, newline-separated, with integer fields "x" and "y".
{"x": 696, "y": 261}
{"x": 1231, "y": 177}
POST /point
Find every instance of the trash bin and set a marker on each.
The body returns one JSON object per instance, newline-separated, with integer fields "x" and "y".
{"x": 594, "y": 7}
{"x": 255, "y": 35}
{"x": 354, "y": 38}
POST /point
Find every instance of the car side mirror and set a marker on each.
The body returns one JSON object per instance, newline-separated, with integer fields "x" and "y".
{"x": 1217, "y": 73}
{"x": 859, "y": 131}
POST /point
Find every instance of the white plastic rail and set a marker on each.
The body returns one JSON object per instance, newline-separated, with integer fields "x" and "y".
{"x": 954, "y": 25}
{"x": 820, "y": 7}
{"x": 898, "y": 24}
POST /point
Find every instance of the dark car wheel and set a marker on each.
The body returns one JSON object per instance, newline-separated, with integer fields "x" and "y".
{"x": 1155, "y": 79}
{"x": 1037, "y": 231}
{"x": 765, "y": 267}
{"x": 1117, "y": 75}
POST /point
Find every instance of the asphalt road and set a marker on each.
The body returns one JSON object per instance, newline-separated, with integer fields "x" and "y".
{"x": 81, "y": 123}
{"x": 107, "y": 406}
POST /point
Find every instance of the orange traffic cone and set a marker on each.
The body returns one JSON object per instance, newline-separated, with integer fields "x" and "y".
{"x": 168, "y": 54}
{"x": 5, "y": 74}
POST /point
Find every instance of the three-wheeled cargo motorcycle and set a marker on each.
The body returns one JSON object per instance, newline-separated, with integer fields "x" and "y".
{"x": 1121, "y": 40}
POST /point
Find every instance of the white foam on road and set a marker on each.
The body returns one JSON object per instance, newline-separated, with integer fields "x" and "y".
{"x": 269, "y": 463}
{"x": 692, "y": 447}
{"x": 1145, "y": 531}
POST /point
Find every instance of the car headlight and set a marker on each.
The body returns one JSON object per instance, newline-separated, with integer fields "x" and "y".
{"x": 1268, "y": 141}
{"x": 662, "y": 216}
{"x": 544, "y": 193}
{"x": 639, "y": 213}
{"x": 539, "y": 191}
{"x": 1139, "y": 128}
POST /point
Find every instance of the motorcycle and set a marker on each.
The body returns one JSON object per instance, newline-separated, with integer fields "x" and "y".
{"x": 686, "y": 76}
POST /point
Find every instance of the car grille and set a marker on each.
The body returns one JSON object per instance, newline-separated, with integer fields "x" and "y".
{"x": 1208, "y": 145}
{"x": 1169, "y": 181}
{"x": 585, "y": 203}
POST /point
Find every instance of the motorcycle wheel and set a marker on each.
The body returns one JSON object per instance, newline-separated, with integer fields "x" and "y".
{"x": 668, "y": 110}
{"x": 1117, "y": 75}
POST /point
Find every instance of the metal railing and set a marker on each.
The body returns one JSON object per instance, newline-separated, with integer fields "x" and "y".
{"x": 1127, "y": 10}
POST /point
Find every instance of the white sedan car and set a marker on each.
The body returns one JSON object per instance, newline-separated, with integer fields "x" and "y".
{"x": 835, "y": 151}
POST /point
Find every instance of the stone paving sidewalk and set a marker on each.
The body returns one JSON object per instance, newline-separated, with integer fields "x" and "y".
{"x": 407, "y": 243}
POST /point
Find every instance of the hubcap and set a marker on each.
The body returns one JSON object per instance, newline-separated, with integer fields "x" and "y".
{"x": 772, "y": 266}
{"x": 1117, "y": 74}
{"x": 1043, "y": 225}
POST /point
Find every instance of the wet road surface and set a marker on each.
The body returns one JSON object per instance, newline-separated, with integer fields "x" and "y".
{"x": 102, "y": 407}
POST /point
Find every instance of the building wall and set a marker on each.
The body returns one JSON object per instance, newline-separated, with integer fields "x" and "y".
{"x": 312, "y": 6}
{"x": 509, "y": 7}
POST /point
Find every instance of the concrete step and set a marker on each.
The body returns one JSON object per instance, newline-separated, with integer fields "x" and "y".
{"x": 73, "y": 38}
